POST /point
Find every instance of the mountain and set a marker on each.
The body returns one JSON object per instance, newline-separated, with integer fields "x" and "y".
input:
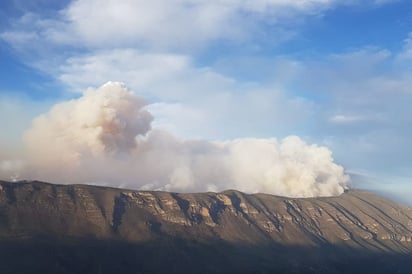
{"x": 48, "y": 228}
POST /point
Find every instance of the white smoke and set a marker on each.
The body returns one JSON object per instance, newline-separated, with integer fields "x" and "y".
{"x": 105, "y": 137}
{"x": 10, "y": 169}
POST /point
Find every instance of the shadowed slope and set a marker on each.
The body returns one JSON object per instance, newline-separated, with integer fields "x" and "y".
{"x": 88, "y": 229}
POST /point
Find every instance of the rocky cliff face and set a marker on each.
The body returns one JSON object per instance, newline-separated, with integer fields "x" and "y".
{"x": 316, "y": 232}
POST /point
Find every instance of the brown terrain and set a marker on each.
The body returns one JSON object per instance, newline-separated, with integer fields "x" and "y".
{"x": 48, "y": 228}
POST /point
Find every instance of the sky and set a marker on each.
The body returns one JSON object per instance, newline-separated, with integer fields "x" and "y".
{"x": 335, "y": 73}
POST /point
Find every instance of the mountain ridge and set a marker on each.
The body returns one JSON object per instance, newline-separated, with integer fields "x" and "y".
{"x": 242, "y": 224}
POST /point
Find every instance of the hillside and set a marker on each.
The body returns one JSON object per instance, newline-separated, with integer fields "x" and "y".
{"x": 51, "y": 228}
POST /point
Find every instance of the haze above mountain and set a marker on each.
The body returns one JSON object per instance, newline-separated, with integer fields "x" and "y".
{"x": 47, "y": 228}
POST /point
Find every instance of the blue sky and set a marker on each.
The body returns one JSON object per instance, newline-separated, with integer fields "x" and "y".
{"x": 335, "y": 73}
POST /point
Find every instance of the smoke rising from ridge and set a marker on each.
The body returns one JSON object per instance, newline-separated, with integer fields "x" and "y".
{"x": 105, "y": 137}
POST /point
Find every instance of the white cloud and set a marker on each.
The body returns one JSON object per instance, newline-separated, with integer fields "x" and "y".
{"x": 364, "y": 109}
{"x": 140, "y": 69}
{"x": 192, "y": 101}
{"x": 167, "y": 24}
{"x": 178, "y": 24}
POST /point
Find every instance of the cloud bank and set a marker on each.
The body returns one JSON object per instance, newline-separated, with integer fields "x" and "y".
{"x": 105, "y": 137}
{"x": 159, "y": 23}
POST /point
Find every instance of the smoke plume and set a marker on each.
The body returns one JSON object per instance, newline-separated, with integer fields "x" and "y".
{"x": 105, "y": 137}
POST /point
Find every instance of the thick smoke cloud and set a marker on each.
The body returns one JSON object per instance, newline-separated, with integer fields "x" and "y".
{"x": 105, "y": 137}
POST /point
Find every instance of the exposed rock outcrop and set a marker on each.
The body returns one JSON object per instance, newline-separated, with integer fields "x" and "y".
{"x": 356, "y": 220}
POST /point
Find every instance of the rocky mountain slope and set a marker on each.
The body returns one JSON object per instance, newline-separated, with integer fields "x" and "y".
{"x": 86, "y": 229}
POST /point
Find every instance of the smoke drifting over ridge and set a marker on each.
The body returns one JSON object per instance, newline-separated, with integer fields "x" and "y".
{"x": 105, "y": 137}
